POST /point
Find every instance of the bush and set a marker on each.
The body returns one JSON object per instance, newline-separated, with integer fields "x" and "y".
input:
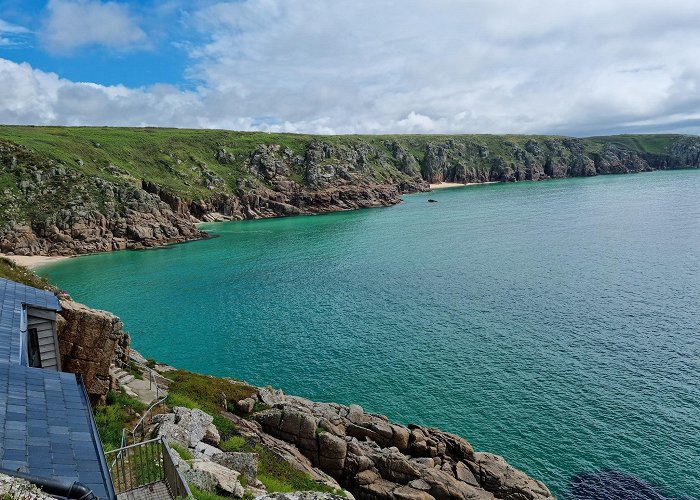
{"x": 116, "y": 414}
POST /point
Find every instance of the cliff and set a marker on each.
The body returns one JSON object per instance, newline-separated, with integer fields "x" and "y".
{"x": 68, "y": 191}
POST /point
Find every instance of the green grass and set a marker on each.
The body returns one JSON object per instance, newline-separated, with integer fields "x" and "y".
{"x": 208, "y": 394}
{"x": 116, "y": 414}
{"x": 205, "y": 495}
{"x": 234, "y": 443}
{"x": 20, "y": 274}
{"x": 182, "y": 451}
{"x": 183, "y": 162}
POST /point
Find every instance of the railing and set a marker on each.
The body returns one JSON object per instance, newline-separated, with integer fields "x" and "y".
{"x": 145, "y": 463}
{"x": 153, "y": 376}
{"x": 140, "y": 427}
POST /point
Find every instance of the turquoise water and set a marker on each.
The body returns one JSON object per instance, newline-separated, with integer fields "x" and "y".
{"x": 555, "y": 323}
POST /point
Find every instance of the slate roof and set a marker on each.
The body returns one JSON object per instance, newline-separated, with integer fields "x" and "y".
{"x": 46, "y": 424}
{"x": 12, "y": 297}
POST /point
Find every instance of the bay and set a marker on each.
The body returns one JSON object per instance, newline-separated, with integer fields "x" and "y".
{"x": 555, "y": 323}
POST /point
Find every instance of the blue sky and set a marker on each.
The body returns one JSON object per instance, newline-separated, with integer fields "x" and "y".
{"x": 158, "y": 58}
{"x": 361, "y": 66}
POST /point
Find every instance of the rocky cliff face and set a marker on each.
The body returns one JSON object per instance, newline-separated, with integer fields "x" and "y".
{"x": 377, "y": 459}
{"x": 89, "y": 341}
{"x": 51, "y": 208}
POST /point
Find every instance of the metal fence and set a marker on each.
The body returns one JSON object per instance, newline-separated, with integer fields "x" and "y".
{"x": 145, "y": 463}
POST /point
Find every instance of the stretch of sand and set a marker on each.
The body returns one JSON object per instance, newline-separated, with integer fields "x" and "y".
{"x": 444, "y": 185}
{"x": 32, "y": 261}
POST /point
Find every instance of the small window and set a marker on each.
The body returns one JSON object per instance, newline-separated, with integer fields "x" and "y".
{"x": 33, "y": 348}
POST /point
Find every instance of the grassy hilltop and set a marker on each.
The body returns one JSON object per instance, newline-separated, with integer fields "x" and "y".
{"x": 68, "y": 190}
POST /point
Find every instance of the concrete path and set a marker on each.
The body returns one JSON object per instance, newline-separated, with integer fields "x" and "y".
{"x": 144, "y": 390}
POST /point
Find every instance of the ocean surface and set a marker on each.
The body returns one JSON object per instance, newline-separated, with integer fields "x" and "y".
{"x": 555, "y": 323}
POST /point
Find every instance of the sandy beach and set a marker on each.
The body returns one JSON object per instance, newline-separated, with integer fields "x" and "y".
{"x": 32, "y": 261}
{"x": 444, "y": 185}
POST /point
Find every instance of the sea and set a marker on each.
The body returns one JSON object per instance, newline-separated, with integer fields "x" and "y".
{"x": 555, "y": 323}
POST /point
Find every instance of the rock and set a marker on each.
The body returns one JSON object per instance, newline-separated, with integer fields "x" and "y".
{"x": 503, "y": 480}
{"x": 397, "y": 468}
{"x": 300, "y": 495}
{"x": 244, "y": 463}
{"x": 367, "y": 477}
{"x": 401, "y": 437}
{"x": 222, "y": 478}
{"x": 205, "y": 451}
{"x": 19, "y": 489}
{"x": 270, "y": 396}
{"x": 245, "y": 405}
{"x": 89, "y": 340}
{"x": 211, "y": 435}
{"x": 464, "y": 474}
{"x": 379, "y": 489}
{"x": 408, "y": 493}
{"x": 187, "y": 427}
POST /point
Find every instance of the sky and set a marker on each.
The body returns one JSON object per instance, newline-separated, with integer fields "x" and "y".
{"x": 361, "y": 66}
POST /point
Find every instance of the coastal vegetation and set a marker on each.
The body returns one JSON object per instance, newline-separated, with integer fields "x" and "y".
{"x": 118, "y": 412}
{"x": 75, "y": 190}
{"x": 11, "y": 271}
{"x": 218, "y": 395}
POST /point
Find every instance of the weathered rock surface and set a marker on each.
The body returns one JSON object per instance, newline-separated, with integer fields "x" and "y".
{"x": 184, "y": 426}
{"x": 56, "y": 209}
{"x": 89, "y": 340}
{"x": 19, "y": 489}
{"x": 300, "y": 495}
{"x": 211, "y": 476}
{"x": 377, "y": 459}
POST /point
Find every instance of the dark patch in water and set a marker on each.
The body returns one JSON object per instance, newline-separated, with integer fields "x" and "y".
{"x": 615, "y": 485}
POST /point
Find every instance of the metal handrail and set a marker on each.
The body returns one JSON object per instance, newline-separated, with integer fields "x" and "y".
{"x": 145, "y": 463}
{"x": 146, "y": 413}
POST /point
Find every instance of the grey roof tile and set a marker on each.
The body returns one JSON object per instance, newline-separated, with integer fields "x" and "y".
{"x": 45, "y": 418}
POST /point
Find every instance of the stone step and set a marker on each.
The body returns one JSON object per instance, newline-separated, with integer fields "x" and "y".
{"x": 129, "y": 392}
{"x": 125, "y": 379}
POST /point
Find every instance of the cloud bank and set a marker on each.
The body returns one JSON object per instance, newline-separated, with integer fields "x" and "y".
{"x": 72, "y": 24}
{"x": 528, "y": 66}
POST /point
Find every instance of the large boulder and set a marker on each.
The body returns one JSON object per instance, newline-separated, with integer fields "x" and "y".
{"x": 505, "y": 481}
{"x": 211, "y": 476}
{"x": 185, "y": 426}
{"x": 244, "y": 463}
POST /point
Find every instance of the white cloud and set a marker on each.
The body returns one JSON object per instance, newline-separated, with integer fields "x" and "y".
{"x": 6, "y": 27}
{"x": 77, "y": 23}
{"x": 12, "y": 34}
{"x": 528, "y": 66}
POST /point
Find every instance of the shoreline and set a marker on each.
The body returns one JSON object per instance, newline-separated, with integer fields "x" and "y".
{"x": 34, "y": 261}
{"x": 448, "y": 185}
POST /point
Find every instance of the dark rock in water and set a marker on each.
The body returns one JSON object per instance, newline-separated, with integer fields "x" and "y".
{"x": 615, "y": 485}
{"x": 432, "y": 201}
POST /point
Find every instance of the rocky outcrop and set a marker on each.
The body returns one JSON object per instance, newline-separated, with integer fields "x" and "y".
{"x": 51, "y": 208}
{"x": 377, "y": 459}
{"x": 12, "y": 488}
{"x": 89, "y": 340}
{"x": 187, "y": 427}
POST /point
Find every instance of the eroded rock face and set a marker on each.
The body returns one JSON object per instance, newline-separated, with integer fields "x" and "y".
{"x": 83, "y": 214}
{"x": 377, "y": 459}
{"x": 89, "y": 340}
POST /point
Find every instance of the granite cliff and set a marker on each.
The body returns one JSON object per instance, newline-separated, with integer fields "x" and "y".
{"x": 68, "y": 191}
